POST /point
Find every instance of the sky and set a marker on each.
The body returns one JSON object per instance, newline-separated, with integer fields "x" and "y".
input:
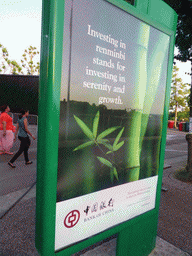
{"x": 20, "y": 27}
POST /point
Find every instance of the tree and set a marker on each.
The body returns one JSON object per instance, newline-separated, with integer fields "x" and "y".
{"x": 184, "y": 44}
{"x": 28, "y": 63}
{"x": 179, "y": 94}
{"x": 4, "y": 55}
{"x": 15, "y": 69}
{"x": 8, "y": 65}
{"x": 184, "y": 33}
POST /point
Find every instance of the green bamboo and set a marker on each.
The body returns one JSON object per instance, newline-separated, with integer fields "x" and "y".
{"x": 155, "y": 65}
{"x": 154, "y": 72}
{"x": 89, "y": 183}
{"x": 133, "y": 147}
{"x": 132, "y": 153}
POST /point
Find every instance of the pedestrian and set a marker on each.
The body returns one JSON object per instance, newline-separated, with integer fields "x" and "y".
{"x": 22, "y": 130}
{"x": 6, "y": 131}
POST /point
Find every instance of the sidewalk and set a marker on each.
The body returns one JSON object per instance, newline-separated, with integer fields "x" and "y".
{"x": 175, "y": 210}
{"x": 18, "y": 222}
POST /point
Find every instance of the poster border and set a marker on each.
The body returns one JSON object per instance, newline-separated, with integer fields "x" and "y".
{"x": 49, "y": 108}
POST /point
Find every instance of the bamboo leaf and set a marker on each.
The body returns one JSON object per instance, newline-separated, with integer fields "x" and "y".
{"x": 118, "y": 137}
{"x": 105, "y": 161}
{"x": 107, "y": 132}
{"x": 111, "y": 175}
{"x": 84, "y": 128}
{"x": 115, "y": 173}
{"x": 84, "y": 145}
{"x": 118, "y": 146}
{"x": 106, "y": 144}
{"x": 95, "y": 124}
{"x": 100, "y": 141}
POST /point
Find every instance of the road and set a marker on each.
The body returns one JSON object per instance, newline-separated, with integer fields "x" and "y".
{"x": 18, "y": 179}
{"x": 176, "y": 147}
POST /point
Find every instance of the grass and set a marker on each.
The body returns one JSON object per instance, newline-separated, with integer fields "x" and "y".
{"x": 183, "y": 175}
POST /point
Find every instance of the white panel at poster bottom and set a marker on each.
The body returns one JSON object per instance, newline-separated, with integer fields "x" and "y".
{"x": 85, "y": 216}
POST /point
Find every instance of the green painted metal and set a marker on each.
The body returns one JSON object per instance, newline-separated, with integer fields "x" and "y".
{"x": 136, "y": 236}
{"x": 48, "y": 126}
{"x": 142, "y": 6}
{"x": 138, "y": 239}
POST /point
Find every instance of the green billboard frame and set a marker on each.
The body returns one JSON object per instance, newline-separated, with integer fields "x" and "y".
{"x": 138, "y": 235}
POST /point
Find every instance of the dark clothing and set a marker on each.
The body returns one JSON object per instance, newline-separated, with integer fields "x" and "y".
{"x": 24, "y": 146}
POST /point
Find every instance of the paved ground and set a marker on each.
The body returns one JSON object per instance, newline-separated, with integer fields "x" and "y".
{"x": 176, "y": 210}
{"x": 18, "y": 222}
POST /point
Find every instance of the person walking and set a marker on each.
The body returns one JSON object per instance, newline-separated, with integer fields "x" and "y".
{"x": 6, "y": 131}
{"x": 23, "y": 131}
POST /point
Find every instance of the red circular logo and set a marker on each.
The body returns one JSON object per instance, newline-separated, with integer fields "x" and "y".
{"x": 71, "y": 219}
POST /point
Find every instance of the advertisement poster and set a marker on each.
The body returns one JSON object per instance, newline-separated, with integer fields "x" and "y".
{"x": 111, "y": 108}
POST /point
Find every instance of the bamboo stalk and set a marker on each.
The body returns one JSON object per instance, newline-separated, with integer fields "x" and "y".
{"x": 132, "y": 153}
{"x": 154, "y": 73}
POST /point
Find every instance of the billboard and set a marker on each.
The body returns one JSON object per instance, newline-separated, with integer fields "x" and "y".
{"x": 114, "y": 75}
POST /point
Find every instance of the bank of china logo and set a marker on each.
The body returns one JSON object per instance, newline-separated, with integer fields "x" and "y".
{"x": 72, "y": 219}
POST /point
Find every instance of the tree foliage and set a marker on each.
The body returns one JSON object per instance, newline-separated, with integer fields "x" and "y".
{"x": 28, "y": 62}
{"x": 7, "y": 65}
{"x": 184, "y": 32}
{"x": 179, "y": 94}
{"x": 3, "y": 56}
